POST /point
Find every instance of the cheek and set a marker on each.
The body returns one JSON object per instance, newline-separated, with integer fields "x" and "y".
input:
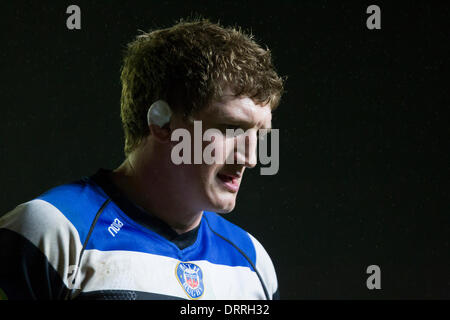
{"x": 216, "y": 149}
{"x": 223, "y": 147}
{"x": 214, "y": 152}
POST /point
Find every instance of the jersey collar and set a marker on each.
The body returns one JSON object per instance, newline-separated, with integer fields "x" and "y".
{"x": 139, "y": 215}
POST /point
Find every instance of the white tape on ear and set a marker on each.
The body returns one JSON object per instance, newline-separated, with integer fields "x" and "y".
{"x": 159, "y": 113}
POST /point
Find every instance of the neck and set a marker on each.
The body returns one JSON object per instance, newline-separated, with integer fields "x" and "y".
{"x": 147, "y": 186}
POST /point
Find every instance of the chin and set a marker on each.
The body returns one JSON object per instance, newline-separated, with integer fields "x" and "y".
{"x": 219, "y": 199}
{"x": 222, "y": 205}
{"x": 224, "y": 210}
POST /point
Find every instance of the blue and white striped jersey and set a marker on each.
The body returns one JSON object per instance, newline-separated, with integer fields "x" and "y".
{"x": 84, "y": 240}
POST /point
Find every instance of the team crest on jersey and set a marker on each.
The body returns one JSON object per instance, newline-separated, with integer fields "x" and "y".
{"x": 190, "y": 277}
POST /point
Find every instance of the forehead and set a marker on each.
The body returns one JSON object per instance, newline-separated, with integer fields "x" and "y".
{"x": 240, "y": 109}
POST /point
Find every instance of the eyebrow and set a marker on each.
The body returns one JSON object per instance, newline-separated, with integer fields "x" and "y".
{"x": 235, "y": 120}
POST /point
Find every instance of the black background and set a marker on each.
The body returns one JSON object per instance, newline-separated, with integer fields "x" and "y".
{"x": 364, "y": 134}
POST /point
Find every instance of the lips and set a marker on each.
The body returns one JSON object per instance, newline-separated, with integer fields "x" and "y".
{"x": 230, "y": 181}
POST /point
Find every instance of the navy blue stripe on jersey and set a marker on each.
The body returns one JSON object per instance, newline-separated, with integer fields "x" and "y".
{"x": 123, "y": 295}
{"x": 24, "y": 269}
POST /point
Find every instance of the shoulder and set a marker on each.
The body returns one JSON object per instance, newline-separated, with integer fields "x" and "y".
{"x": 41, "y": 242}
{"x": 65, "y": 209}
{"x": 76, "y": 202}
{"x": 40, "y": 224}
{"x": 249, "y": 245}
{"x": 32, "y": 217}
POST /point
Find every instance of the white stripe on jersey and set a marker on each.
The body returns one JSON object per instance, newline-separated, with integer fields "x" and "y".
{"x": 265, "y": 266}
{"x": 137, "y": 271}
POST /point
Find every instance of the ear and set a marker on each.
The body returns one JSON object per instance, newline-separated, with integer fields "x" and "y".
{"x": 158, "y": 119}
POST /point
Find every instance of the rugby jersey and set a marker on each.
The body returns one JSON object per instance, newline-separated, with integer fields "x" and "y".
{"x": 85, "y": 240}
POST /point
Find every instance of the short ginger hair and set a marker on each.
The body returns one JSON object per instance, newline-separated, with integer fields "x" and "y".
{"x": 189, "y": 65}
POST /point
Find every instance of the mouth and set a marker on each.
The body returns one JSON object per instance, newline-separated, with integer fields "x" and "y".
{"x": 229, "y": 181}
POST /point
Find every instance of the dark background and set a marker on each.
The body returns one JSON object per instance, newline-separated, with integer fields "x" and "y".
{"x": 364, "y": 133}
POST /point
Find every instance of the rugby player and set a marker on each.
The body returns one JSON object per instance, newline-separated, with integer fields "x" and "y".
{"x": 152, "y": 229}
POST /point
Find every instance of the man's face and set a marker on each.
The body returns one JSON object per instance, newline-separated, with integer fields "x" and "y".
{"x": 214, "y": 187}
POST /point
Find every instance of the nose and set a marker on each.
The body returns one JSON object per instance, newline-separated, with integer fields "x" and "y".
{"x": 245, "y": 149}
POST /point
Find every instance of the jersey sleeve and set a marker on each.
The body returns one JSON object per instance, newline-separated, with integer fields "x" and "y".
{"x": 38, "y": 252}
{"x": 265, "y": 267}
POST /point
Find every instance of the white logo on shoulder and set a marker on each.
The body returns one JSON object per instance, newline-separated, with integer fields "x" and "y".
{"x": 114, "y": 228}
